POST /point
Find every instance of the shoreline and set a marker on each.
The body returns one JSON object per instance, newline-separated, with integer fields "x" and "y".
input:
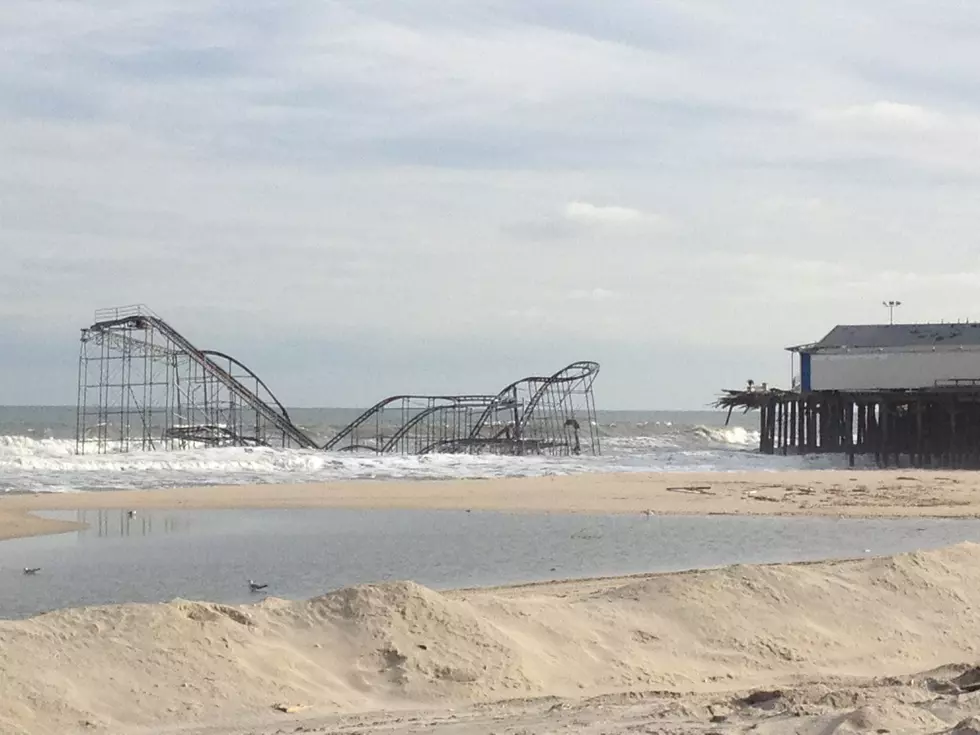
{"x": 815, "y": 493}
{"x": 830, "y": 646}
{"x": 22, "y": 523}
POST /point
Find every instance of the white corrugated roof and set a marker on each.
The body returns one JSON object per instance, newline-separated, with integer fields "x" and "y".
{"x": 896, "y": 335}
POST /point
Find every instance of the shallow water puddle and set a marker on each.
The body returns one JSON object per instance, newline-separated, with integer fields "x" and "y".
{"x": 155, "y": 556}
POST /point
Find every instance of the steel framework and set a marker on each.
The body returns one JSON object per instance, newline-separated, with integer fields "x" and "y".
{"x": 143, "y": 386}
{"x": 552, "y": 414}
{"x": 411, "y": 424}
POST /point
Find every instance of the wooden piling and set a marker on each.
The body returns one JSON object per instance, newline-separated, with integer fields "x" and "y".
{"x": 922, "y": 429}
{"x": 793, "y": 424}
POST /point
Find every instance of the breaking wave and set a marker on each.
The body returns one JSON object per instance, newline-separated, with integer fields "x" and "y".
{"x": 29, "y": 464}
{"x": 737, "y": 435}
{"x": 687, "y": 438}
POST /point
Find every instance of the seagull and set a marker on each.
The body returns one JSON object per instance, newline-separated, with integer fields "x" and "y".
{"x": 255, "y": 586}
{"x": 131, "y": 513}
{"x": 32, "y": 570}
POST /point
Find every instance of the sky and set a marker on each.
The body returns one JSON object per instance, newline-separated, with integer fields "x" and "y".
{"x": 367, "y": 197}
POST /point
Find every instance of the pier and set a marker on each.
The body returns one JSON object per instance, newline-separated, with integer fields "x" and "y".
{"x": 938, "y": 428}
{"x": 906, "y": 394}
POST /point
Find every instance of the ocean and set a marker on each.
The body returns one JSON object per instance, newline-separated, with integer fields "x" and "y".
{"x": 37, "y": 454}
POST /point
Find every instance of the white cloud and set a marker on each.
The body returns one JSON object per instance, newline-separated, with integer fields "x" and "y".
{"x": 883, "y": 115}
{"x": 586, "y": 213}
{"x": 930, "y": 139}
{"x": 925, "y": 280}
{"x": 594, "y": 294}
{"x": 797, "y": 206}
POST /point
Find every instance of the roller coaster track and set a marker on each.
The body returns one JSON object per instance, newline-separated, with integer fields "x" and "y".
{"x": 251, "y": 373}
{"x": 376, "y": 411}
{"x": 538, "y": 385}
{"x": 143, "y": 385}
{"x": 566, "y": 380}
{"x": 143, "y": 319}
{"x": 449, "y": 424}
{"x": 462, "y": 402}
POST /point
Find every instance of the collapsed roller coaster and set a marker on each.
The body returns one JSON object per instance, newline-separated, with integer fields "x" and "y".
{"x": 142, "y": 385}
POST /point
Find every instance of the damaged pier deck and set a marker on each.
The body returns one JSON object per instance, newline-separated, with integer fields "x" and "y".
{"x": 906, "y": 394}
{"x": 927, "y": 428}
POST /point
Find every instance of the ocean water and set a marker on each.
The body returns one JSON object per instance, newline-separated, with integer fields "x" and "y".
{"x": 210, "y": 555}
{"x": 37, "y": 454}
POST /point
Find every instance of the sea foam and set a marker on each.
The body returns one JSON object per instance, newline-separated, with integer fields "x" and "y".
{"x": 30, "y": 464}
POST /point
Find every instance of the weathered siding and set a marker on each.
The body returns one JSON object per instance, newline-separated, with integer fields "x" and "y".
{"x": 872, "y": 370}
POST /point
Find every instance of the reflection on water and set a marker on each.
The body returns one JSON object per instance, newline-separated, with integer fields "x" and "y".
{"x": 120, "y": 523}
{"x": 209, "y": 555}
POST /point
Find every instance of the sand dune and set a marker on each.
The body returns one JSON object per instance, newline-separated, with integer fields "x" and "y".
{"x": 402, "y": 646}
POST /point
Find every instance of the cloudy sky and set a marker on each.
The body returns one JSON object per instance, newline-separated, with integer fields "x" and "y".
{"x": 360, "y": 197}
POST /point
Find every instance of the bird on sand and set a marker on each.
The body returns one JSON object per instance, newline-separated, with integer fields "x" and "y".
{"x": 32, "y": 570}
{"x": 255, "y": 586}
{"x": 131, "y": 513}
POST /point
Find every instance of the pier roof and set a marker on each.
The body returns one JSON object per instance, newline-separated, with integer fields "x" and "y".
{"x": 896, "y": 335}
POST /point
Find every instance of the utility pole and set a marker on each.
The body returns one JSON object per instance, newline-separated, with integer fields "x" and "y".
{"x": 890, "y": 305}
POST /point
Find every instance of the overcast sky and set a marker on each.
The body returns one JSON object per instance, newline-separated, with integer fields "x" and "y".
{"x": 373, "y": 196}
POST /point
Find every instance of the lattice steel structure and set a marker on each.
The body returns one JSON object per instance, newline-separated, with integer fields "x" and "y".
{"x": 411, "y": 424}
{"x": 552, "y": 414}
{"x": 142, "y": 385}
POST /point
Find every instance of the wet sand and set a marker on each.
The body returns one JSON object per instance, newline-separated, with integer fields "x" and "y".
{"x": 858, "y": 493}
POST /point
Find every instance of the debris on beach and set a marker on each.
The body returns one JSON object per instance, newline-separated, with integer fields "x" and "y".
{"x": 290, "y": 708}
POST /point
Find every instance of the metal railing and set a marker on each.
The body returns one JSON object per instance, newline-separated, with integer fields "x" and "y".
{"x": 123, "y": 312}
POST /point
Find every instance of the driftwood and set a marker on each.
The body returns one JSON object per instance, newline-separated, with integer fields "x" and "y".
{"x": 701, "y": 489}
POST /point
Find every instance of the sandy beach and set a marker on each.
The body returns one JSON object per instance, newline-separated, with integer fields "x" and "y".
{"x": 857, "y": 493}
{"x": 872, "y": 645}
{"x": 875, "y": 645}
